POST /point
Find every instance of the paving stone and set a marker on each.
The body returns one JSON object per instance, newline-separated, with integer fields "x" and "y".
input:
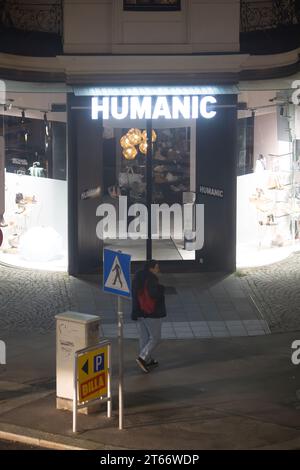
{"x": 29, "y": 300}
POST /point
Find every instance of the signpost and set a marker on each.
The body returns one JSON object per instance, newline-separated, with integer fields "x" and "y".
{"x": 92, "y": 378}
{"x": 117, "y": 280}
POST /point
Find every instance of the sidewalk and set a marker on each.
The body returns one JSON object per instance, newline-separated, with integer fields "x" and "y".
{"x": 199, "y": 305}
{"x": 220, "y": 393}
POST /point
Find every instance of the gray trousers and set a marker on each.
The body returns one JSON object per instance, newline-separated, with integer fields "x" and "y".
{"x": 150, "y": 336}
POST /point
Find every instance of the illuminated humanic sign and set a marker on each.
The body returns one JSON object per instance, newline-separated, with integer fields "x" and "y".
{"x": 153, "y": 107}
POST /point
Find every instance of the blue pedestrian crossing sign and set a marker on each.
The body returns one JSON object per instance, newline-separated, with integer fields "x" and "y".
{"x": 117, "y": 279}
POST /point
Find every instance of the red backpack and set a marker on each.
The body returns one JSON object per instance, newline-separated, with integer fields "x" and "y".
{"x": 146, "y": 302}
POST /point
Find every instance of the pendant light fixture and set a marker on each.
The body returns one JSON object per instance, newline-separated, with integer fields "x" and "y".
{"x": 130, "y": 153}
{"x": 125, "y": 142}
{"x": 143, "y": 147}
{"x": 135, "y": 137}
{"x": 154, "y": 135}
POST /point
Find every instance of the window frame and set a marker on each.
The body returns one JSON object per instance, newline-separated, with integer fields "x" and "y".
{"x": 150, "y": 6}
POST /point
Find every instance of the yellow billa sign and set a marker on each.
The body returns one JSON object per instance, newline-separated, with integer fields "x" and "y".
{"x": 92, "y": 369}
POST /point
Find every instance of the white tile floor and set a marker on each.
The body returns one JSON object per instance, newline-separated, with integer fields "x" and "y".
{"x": 196, "y": 329}
{"x": 161, "y": 249}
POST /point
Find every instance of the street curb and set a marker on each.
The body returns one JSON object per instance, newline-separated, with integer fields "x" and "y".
{"x": 23, "y": 435}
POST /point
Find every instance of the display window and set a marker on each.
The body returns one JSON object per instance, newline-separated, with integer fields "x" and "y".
{"x": 173, "y": 176}
{"x": 161, "y": 164}
{"x": 268, "y": 209}
{"x": 33, "y": 200}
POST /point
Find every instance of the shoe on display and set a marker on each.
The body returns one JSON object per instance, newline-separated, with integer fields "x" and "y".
{"x": 159, "y": 156}
{"x": 142, "y": 364}
{"x": 20, "y": 199}
{"x": 29, "y": 200}
{"x": 160, "y": 168}
{"x": 159, "y": 179}
{"x": 2, "y": 222}
{"x": 20, "y": 209}
{"x": 13, "y": 241}
{"x": 171, "y": 178}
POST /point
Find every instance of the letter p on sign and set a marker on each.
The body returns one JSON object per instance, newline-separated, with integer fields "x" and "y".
{"x": 99, "y": 362}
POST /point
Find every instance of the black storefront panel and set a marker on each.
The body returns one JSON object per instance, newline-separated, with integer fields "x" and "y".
{"x": 216, "y": 141}
{"x": 85, "y": 173}
{"x": 216, "y": 185}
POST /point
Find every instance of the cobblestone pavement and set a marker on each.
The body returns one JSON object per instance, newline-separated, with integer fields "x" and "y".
{"x": 30, "y": 299}
{"x": 276, "y": 291}
{"x": 200, "y": 306}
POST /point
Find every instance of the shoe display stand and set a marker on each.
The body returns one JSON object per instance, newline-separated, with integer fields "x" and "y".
{"x": 171, "y": 165}
{"x": 275, "y": 205}
{"x": 171, "y": 170}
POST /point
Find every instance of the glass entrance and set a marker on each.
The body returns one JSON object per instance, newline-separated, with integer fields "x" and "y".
{"x": 124, "y": 178}
{"x": 172, "y": 184}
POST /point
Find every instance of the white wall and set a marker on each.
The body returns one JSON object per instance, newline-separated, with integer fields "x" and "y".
{"x": 265, "y": 135}
{"x": 101, "y": 26}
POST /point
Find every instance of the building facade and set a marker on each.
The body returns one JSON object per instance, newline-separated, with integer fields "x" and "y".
{"x": 215, "y": 85}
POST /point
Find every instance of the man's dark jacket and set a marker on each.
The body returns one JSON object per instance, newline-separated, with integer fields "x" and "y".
{"x": 156, "y": 291}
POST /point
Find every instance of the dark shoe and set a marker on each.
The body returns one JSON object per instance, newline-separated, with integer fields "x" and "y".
{"x": 152, "y": 363}
{"x": 142, "y": 364}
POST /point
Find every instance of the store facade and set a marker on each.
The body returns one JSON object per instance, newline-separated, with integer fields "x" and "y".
{"x": 72, "y": 155}
{"x": 191, "y": 162}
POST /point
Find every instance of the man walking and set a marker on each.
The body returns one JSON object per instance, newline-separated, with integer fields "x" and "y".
{"x": 148, "y": 308}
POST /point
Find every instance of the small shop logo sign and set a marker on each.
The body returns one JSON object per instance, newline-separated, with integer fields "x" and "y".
{"x": 175, "y": 221}
{"x": 296, "y": 93}
{"x": 212, "y": 191}
{"x": 2, "y": 353}
{"x": 296, "y": 352}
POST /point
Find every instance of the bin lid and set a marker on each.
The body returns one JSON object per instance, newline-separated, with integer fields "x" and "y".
{"x": 77, "y": 317}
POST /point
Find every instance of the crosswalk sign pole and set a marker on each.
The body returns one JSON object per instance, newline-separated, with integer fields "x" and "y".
{"x": 121, "y": 374}
{"x": 117, "y": 281}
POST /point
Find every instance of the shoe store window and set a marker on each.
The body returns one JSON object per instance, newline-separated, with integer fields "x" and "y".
{"x": 33, "y": 202}
{"x": 173, "y": 175}
{"x": 268, "y": 209}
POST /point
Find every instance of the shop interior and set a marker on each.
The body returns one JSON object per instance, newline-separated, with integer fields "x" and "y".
{"x": 33, "y": 176}
{"x": 268, "y": 183}
{"x": 33, "y": 212}
{"x": 124, "y": 170}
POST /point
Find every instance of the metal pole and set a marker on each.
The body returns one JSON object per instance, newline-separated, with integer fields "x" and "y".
{"x": 109, "y": 403}
{"x": 75, "y": 394}
{"x": 120, "y": 341}
{"x": 149, "y": 187}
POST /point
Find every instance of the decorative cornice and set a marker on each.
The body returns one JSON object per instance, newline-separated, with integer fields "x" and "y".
{"x": 139, "y": 69}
